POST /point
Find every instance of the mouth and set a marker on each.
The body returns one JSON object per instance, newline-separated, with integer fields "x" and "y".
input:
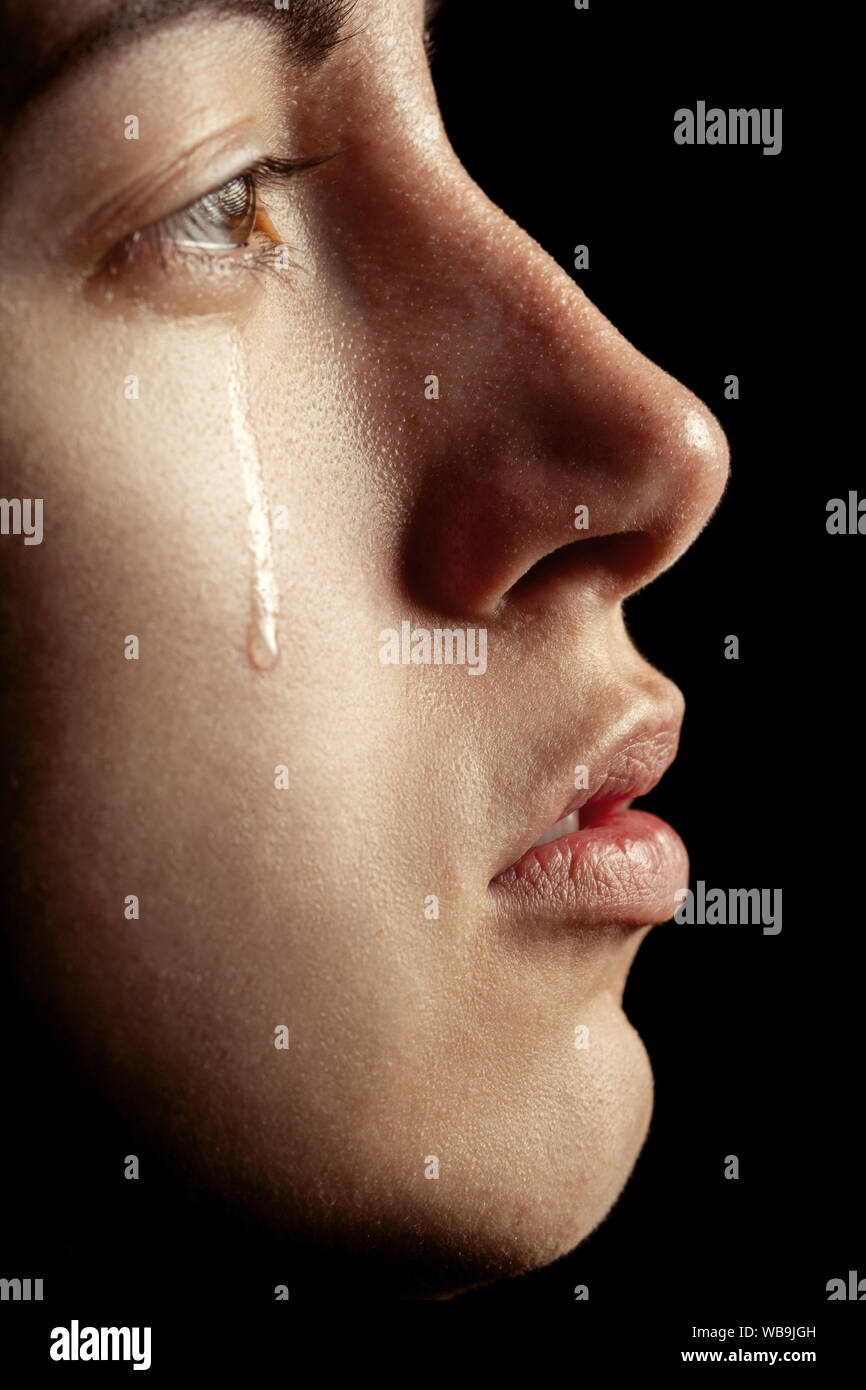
{"x": 601, "y": 862}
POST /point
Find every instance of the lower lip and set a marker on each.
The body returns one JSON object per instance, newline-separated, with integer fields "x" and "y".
{"x": 625, "y": 869}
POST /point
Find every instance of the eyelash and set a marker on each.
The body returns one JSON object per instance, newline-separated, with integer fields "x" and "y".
{"x": 169, "y": 250}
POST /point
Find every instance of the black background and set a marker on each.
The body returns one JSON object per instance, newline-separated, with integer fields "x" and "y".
{"x": 705, "y": 259}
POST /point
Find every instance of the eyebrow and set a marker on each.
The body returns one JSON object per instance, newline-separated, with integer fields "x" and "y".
{"x": 310, "y": 29}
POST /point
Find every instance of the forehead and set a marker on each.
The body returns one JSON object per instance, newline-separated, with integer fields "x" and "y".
{"x": 42, "y": 39}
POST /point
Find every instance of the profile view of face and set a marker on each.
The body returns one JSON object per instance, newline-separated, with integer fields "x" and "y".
{"x": 324, "y": 487}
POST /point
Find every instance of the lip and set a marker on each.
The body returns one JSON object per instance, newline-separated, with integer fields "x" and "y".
{"x": 623, "y": 866}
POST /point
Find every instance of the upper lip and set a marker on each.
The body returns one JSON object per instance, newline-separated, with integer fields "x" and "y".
{"x": 630, "y": 766}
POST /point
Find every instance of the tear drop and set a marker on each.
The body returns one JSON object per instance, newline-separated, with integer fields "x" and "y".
{"x": 262, "y": 644}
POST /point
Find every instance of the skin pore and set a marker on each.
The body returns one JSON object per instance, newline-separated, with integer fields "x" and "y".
{"x": 278, "y": 441}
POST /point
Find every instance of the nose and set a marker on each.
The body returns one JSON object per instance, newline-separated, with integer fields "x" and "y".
{"x": 556, "y": 455}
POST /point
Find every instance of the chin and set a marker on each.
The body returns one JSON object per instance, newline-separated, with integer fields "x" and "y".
{"x": 540, "y": 1198}
{"x": 520, "y": 1186}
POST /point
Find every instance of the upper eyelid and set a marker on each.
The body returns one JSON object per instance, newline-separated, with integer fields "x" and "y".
{"x": 266, "y": 171}
{"x": 232, "y": 152}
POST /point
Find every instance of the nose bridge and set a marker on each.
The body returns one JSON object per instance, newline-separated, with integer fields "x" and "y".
{"x": 602, "y": 400}
{"x": 545, "y": 406}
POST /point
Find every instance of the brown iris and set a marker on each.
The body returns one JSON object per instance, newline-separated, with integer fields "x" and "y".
{"x": 225, "y": 217}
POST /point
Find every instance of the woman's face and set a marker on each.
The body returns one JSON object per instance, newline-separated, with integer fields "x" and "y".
{"x": 264, "y": 439}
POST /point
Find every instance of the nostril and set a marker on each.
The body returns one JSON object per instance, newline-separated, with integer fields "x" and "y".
{"x": 618, "y": 561}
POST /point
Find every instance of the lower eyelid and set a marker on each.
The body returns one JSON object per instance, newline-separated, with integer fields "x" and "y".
{"x": 217, "y": 258}
{"x": 174, "y": 281}
{"x": 152, "y": 246}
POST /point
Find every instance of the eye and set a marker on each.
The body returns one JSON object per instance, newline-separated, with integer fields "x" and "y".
{"x": 226, "y": 228}
{"x": 223, "y": 218}
{"x": 218, "y": 222}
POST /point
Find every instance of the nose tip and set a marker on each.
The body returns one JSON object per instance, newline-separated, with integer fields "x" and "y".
{"x": 665, "y": 462}
{"x": 697, "y": 469}
{"x": 691, "y": 459}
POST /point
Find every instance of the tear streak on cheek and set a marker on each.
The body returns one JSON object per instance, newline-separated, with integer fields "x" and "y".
{"x": 264, "y": 595}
